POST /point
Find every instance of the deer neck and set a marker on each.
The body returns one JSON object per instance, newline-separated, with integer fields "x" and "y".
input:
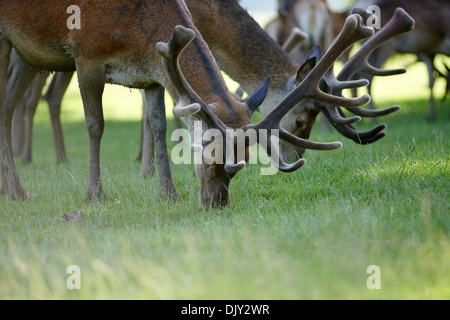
{"x": 241, "y": 47}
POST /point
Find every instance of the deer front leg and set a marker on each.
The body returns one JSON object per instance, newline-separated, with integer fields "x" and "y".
{"x": 91, "y": 88}
{"x": 10, "y": 177}
{"x": 158, "y": 122}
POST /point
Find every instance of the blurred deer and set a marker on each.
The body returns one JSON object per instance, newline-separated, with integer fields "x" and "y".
{"x": 311, "y": 16}
{"x": 430, "y": 37}
{"x": 26, "y": 109}
{"x": 126, "y": 55}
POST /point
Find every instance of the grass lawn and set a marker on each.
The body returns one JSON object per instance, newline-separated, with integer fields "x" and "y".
{"x": 311, "y": 234}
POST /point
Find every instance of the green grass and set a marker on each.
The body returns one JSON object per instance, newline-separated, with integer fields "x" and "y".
{"x": 307, "y": 235}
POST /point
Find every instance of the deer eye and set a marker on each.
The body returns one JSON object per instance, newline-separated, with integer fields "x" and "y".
{"x": 299, "y": 122}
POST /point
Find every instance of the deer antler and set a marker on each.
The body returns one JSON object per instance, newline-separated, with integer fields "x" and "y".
{"x": 189, "y": 103}
{"x": 170, "y": 52}
{"x": 400, "y": 23}
{"x": 295, "y": 38}
{"x": 309, "y": 89}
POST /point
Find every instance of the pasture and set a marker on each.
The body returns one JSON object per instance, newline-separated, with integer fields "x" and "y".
{"x": 311, "y": 234}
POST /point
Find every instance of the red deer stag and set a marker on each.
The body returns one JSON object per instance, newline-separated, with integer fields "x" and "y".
{"x": 431, "y": 35}
{"x": 125, "y": 54}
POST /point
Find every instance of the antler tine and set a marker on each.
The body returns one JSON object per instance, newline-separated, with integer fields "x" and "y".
{"x": 362, "y": 12}
{"x": 344, "y": 127}
{"x": 265, "y": 142}
{"x": 188, "y": 101}
{"x": 309, "y": 89}
{"x": 334, "y": 83}
{"x": 401, "y": 22}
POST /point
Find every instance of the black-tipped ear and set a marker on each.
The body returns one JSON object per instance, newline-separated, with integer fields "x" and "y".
{"x": 311, "y": 60}
{"x": 257, "y": 98}
{"x": 305, "y": 69}
{"x": 315, "y": 52}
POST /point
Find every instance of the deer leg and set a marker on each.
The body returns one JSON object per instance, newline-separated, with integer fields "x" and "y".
{"x": 429, "y": 61}
{"x": 158, "y": 121}
{"x": 11, "y": 90}
{"x": 147, "y": 139}
{"x": 177, "y": 123}
{"x": 6, "y": 159}
{"x": 54, "y": 96}
{"x": 18, "y": 134}
{"x": 377, "y": 59}
{"x": 32, "y": 102}
{"x": 92, "y": 85}
{"x": 141, "y": 141}
{"x": 19, "y": 81}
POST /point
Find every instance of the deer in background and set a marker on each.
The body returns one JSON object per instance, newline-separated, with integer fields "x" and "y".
{"x": 26, "y": 108}
{"x": 311, "y": 16}
{"x": 126, "y": 55}
{"x": 431, "y": 35}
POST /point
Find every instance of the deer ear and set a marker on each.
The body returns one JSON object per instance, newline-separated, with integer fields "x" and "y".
{"x": 315, "y": 52}
{"x": 305, "y": 69}
{"x": 257, "y": 98}
{"x": 310, "y": 62}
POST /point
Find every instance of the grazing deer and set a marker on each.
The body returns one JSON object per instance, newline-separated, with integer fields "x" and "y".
{"x": 431, "y": 35}
{"x": 116, "y": 44}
